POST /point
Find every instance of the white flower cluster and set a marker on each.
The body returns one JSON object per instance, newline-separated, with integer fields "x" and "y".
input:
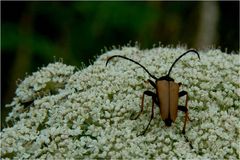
{"x": 59, "y": 113}
{"x": 48, "y": 79}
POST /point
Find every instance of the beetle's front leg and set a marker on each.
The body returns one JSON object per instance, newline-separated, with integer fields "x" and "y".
{"x": 152, "y": 83}
{"x": 184, "y": 108}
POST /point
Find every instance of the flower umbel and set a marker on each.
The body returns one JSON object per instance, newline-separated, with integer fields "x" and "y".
{"x": 62, "y": 113}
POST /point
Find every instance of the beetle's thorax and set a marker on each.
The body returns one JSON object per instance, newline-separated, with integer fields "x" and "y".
{"x": 167, "y": 78}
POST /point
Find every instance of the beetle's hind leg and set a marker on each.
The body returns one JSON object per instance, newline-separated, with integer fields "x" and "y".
{"x": 154, "y": 100}
{"x": 149, "y": 93}
{"x": 184, "y": 109}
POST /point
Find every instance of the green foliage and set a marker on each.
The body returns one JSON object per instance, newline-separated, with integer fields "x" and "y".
{"x": 13, "y": 39}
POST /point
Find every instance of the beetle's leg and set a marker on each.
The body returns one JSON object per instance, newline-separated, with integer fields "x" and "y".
{"x": 184, "y": 108}
{"x": 149, "y": 93}
{"x": 152, "y": 83}
{"x": 182, "y": 93}
{"x": 152, "y": 115}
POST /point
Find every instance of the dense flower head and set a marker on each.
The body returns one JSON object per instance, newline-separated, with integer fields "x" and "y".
{"x": 60, "y": 112}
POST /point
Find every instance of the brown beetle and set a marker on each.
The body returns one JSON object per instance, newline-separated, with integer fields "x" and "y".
{"x": 166, "y": 96}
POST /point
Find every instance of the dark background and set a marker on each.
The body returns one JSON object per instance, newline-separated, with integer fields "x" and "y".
{"x": 33, "y": 33}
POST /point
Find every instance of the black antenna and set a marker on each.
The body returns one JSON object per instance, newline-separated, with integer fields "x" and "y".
{"x": 180, "y": 58}
{"x": 133, "y": 62}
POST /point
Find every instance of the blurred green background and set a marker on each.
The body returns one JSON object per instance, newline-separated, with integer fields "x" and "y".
{"x": 33, "y": 33}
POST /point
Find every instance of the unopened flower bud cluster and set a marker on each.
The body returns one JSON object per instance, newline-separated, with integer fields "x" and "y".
{"x": 61, "y": 113}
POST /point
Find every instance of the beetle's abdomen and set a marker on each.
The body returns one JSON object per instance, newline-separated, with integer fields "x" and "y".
{"x": 168, "y": 98}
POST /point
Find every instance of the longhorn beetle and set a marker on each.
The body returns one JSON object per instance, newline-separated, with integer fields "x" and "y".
{"x": 166, "y": 96}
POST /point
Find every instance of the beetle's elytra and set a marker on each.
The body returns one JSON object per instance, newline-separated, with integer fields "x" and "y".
{"x": 166, "y": 96}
